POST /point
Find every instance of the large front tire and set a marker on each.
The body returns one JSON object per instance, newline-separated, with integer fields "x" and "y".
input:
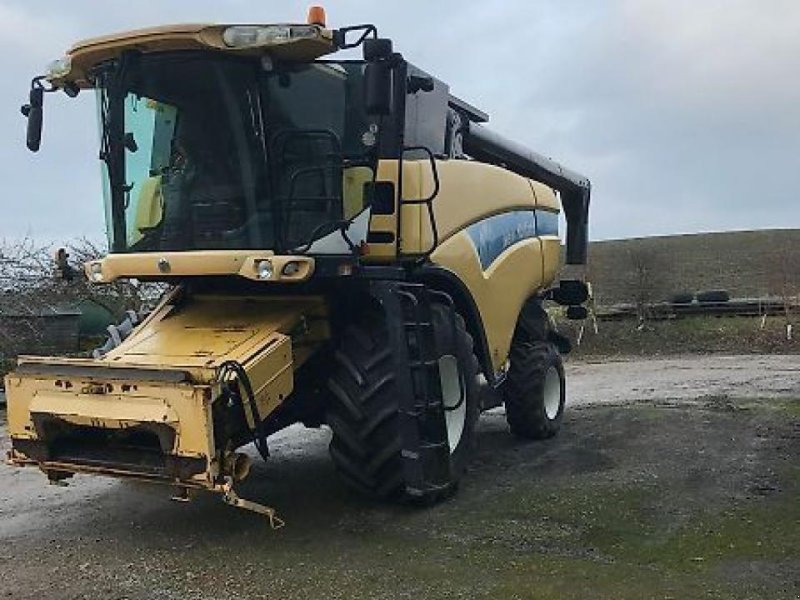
{"x": 366, "y": 443}
{"x": 535, "y": 390}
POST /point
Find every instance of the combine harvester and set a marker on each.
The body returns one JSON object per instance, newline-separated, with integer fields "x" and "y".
{"x": 346, "y": 242}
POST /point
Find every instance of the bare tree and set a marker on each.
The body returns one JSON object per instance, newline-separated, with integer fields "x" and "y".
{"x": 29, "y": 269}
{"x": 784, "y": 281}
{"x": 30, "y": 291}
{"x": 21, "y": 263}
{"x": 646, "y": 270}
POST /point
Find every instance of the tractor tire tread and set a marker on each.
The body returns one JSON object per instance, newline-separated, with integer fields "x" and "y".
{"x": 524, "y": 390}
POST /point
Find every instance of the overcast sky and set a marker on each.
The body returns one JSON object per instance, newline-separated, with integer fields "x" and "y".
{"x": 685, "y": 114}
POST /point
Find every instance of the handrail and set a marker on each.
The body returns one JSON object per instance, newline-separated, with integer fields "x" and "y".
{"x": 428, "y": 202}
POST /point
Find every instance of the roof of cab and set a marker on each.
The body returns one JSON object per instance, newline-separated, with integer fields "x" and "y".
{"x": 88, "y": 53}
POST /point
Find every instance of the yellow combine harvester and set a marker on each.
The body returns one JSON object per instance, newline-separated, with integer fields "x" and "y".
{"x": 348, "y": 245}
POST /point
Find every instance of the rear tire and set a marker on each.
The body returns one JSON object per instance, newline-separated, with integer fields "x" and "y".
{"x": 363, "y": 416}
{"x": 535, "y": 390}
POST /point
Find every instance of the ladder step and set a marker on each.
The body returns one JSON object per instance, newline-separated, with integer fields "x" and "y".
{"x": 414, "y": 364}
{"x": 433, "y": 445}
{"x": 430, "y": 487}
{"x": 418, "y": 415}
{"x": 426, "y": 453}
{"x": 411, "y": 455}
{"x": 423, "y": 407}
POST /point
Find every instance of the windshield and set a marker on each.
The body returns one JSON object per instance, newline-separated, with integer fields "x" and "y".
{"x": 219, "y": 153}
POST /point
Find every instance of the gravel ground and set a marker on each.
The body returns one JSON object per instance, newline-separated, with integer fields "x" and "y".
{"x": 684, "y": 379}
{"x": 674, "y": 478}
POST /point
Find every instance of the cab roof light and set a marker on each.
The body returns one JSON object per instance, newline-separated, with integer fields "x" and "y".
{"x": 59, "y": 68}
{"x": 249, "y": 36}
{"x": 316, "y": 16}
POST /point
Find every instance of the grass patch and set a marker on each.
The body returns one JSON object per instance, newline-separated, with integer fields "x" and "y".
{"x": 660, "y": 535}
{"x": 611, "y": 542}
{"x": 789, "y": 406}
{"x": 690, "y": 334}
{"x": 624, "y": 524}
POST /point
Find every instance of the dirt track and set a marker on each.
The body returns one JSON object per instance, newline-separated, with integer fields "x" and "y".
{"x": 672, "y": 478}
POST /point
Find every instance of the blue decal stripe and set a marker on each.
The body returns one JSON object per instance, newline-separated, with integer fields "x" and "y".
{"x": 546, "y": 222}
{"x": 492, "y": 236}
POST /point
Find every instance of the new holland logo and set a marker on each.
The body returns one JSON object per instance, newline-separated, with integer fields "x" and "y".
{"x": 494, "y": 235}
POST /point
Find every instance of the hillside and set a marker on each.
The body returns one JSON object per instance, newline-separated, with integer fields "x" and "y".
{"x": 746, "y": 263}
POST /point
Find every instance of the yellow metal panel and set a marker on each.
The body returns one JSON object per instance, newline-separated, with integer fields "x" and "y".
{"x": 471, "y": 191}
{"x": 184, "y": 407}
{"x": 551, "y": 257}
{"x": 271, "y": 374}
{"x": 411, "y": 215}
{"x": 545, "y": 197}
{"x": 196, "y": 433}
{"x": 165, "y": 265}
{"x": 501, "y": 290}
{"x": 195, "y": 262}
{"x": 185, "y": 346}
{"x": 384, "y": 252}
{"x": 383, "y": 223}
{"x": 208, "y": 330}
{"x": 353, "y": 180}
{"x": 103, "y": 410}
{"x": 17, "y": 402}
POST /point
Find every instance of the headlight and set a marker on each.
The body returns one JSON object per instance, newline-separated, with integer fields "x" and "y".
{"x": 264, "y": 269}
{"x": 291, "y": 268}
{"x": 59, "y": 68}
{"x": 248, "y": 36}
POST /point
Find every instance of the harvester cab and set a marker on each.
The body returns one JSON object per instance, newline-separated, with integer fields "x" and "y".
{"x": 347, "y": 244}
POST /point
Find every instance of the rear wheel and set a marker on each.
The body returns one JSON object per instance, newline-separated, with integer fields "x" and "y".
{"x": 535, "y": 390}
{"x": 363, "y": 416}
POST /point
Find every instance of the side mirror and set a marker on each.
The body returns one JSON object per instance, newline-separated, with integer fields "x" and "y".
{"x": 33, "y": 111}
{"x": 378, "y": 76}
{"x": 378, "y": 88}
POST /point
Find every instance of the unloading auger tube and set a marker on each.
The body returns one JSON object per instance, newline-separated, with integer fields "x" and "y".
{"x": 483, "y": 144}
